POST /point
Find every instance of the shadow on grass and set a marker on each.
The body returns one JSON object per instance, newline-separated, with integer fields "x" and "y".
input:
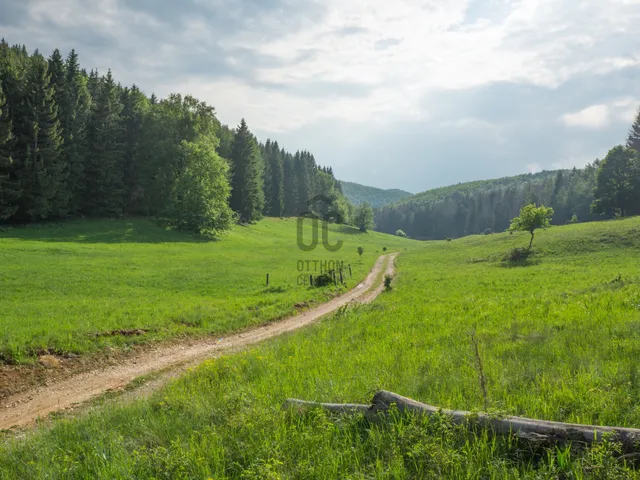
{"x": 132, "y": 230}
{"x": 529, "y": 262}
{"x": 349, "y": 230}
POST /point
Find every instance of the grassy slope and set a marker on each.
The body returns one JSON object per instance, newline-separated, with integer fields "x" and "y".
{"x": 559, "y": 340}
{"x": 376, "y": 197}
{"x": 60, "y": 284}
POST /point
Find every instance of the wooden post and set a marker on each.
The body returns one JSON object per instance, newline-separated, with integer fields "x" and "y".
{"x": 350, "y": 275}
{"x": 267, "y": 279}
{"x": 310, "y": 279}
{"x": 341, "y": 279}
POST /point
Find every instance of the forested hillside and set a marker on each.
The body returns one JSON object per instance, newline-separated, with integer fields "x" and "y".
{"x": 603, "y": 189}
{"x": 77, "y": 143}
{"x": 474, "y": 207}
{"x": 376, "y": 197}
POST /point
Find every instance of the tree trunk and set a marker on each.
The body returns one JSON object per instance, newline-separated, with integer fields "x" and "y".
{"x": 526, "y": 428}
{"x": 531, "y": 241}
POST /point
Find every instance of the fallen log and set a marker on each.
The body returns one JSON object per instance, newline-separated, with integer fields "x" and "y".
{"x": 526, "y": 428}
{"x": 332, "y": 407}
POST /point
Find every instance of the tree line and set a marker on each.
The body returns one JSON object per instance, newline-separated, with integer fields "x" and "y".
{"x": 603, "y": 189}
{"x": 77, "y": 143}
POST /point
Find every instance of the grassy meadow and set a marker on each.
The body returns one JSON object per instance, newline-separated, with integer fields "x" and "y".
{"x": 61, "y": 285}
{"x": 559, "y": 339}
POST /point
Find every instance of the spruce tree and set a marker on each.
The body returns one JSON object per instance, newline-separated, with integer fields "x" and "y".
{"x": 104, "y": 188}
{"x": 301, "y": 179}
{"x": 40, "y": 167}
{"x": 9, "y": 193}
{"x": 74, "y": 116}
{"x": 273, "y": 180}
{"x": 247, "y": 197}
{"x": 135, "y": 105}
{"x": 58, "y": 82}
{"x": 633, "y": 139}
{"x": 290, "y": 190}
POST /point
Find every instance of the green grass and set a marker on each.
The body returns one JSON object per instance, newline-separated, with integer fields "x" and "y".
{"x": 62, "y": 284}
{"x": 559, "y": 339}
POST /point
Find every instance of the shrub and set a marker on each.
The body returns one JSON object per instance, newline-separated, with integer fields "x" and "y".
{"x": 387, "y": 283}
{"x": 324, "y": 279}
{"x": 448, "y": 239}
{"x": 384, "y": 249}
{"x": 518, "y": 255}
{"x": 400, "y": 233}
{"x": 360, "y": 251}
{"x": 573, "y": 219}
{"x": 487, "y": 231}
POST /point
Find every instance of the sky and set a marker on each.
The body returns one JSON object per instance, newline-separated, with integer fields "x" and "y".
{"x": 409, "y": 94}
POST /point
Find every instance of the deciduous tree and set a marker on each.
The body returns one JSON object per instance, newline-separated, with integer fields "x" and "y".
{"x": 532, "y": 218}
{"x": 618, "y": 183}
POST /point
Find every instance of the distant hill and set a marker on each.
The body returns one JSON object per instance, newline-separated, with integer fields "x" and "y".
{"x": 489, "y": 205}
{"x": 376, "y": 197}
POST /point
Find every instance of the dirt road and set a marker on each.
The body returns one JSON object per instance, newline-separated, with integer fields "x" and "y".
{"x": 24, "y": 408}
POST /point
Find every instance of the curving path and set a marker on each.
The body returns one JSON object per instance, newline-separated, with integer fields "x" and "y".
{"x": 24, "y": 408}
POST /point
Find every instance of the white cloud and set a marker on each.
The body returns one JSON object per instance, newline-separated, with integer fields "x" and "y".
{"x": 314, "y": 72}
{"x": 596, "y": 116}
{"x": 620, "y": 110}
{"x": 540, "y": 42}
{"x": 432, "y": 45}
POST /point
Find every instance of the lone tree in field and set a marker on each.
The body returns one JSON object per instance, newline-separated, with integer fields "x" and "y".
{"x": 531, "y": 218}
{"x": 360, "y": 251}
{"x": 618, "y": 183}
{"x": 363, "y": 218}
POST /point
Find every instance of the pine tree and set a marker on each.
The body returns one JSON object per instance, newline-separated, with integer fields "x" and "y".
{"x": 58, "y": 82}
{"x": 74, "y": 117}
{"x": 135, "y": 105}
{"x": 9, "y": 193}
{"x": 301, "y": 179}
{"x": 93, "y": 84}
{"x": 290, "y": 190}
{"x": 247, "y": 197}
{"x": 104, "y": 188}
{"x": 40, "y": 167}
{"x": 633, "y": 139}
{"x": 273, "y": 180}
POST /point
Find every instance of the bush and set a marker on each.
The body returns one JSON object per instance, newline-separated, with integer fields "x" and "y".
{"x": 518, "y": 255}
{"x": 448, "y": 239}
{"x": 384, "y": 249}
{"x": 360, "y": 251}
{"x": 487, "y": 231}
{"x": 387, "y": 283}
{"x": 400, "y": 233}
{"x": 324, "y": 279}
{"x": 573, "y": 219}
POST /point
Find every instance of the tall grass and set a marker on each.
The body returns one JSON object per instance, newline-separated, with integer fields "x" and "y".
{"x": 62, "y": 284}
{"x": 559, "y": 339}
